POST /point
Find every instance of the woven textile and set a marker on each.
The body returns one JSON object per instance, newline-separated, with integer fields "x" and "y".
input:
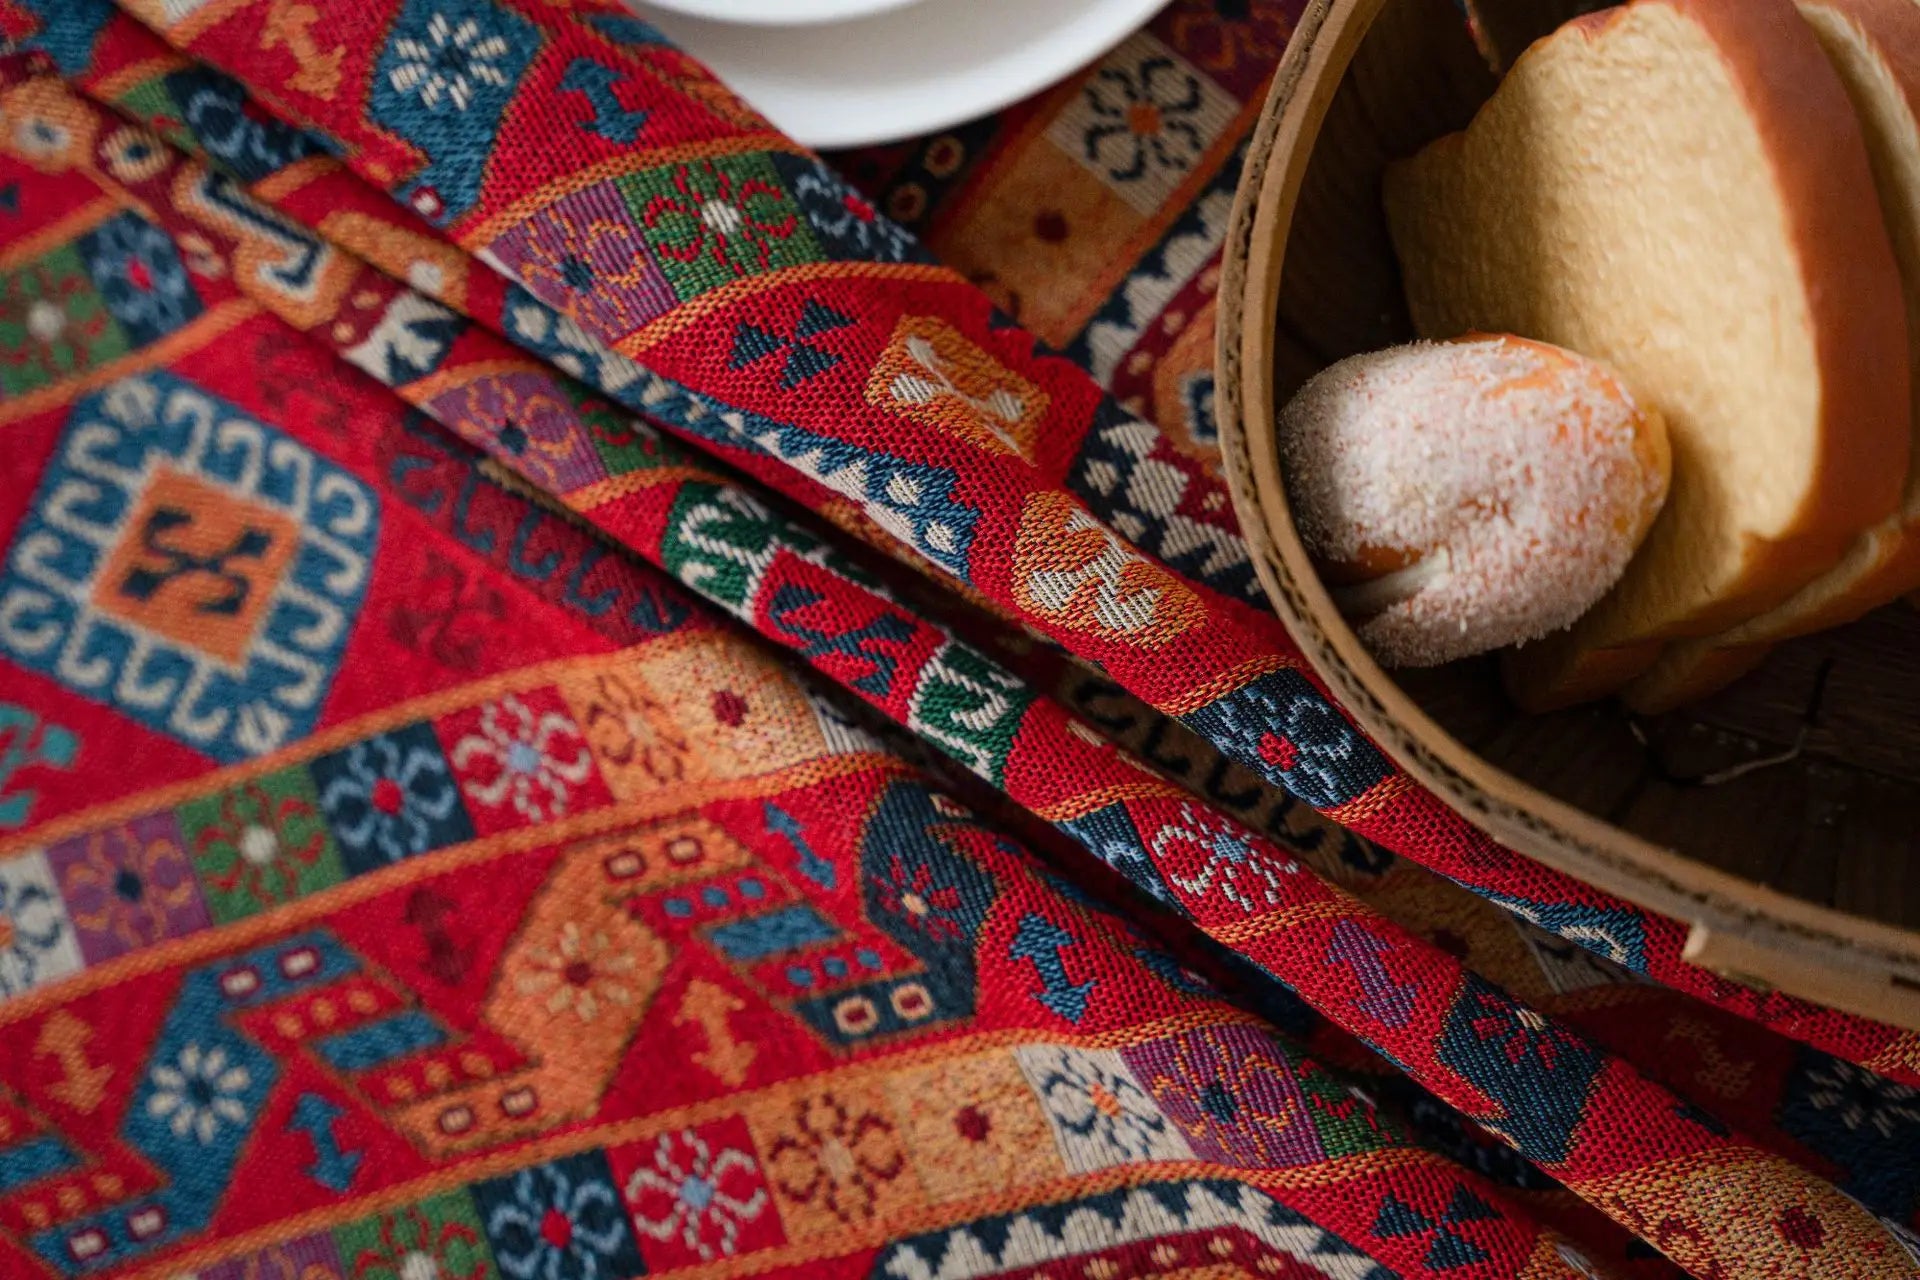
{"x": 584, "y": 693}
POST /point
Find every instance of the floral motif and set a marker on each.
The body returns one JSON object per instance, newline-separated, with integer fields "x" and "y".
{"x": 836, "y": 1155}
{"x": 140, "y": 276}
{"x": 1286, "y": 730}
{"x": 390, "y": 797}
{"x": 36, "y": 939}
{"x": 447, "y": 61}
{"x": 1143, "y": 121}
{"x": 1145, "y": 115}
{"x": 525, "y": 753}
{"x": 910, "y": 891}
{"x": 1309, "y": 743}
{"x": 1539, "y": 1071}
{"x": 579, "y": 972}
{"x": 128, "y": 886}
{"x": 711, "y": 221}
{"x": 1237, "y": 42}
{"x": 1099, "y": 1113}
{"x": 559, "y": 1221}
{"x": 437, "y": 1239}
{"x": 442, "y": 83}
{"x": 699, "y": 1199}
{"x": 1200, "y": 853}
{"x": 522, "y": 417}
{"x": 199, "y": 1093}
{"x": 259, "y": 844}
{"x": 1859, "y": 1098}
{"x": 635, "y": 736}
{"x": 844, "y": 222}
{"x": 53, "y": 322}
{"x": 1233, "y": 1094}
{"x": 585, "y": 256}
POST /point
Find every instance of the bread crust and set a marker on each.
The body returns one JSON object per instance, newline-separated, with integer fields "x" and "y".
{"x": 1857, "y": 313}
{"x": 1856, "y": 330}
{"x": 1884, "y": 562}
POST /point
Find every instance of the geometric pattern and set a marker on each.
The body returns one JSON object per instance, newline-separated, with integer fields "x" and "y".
{"x": 1142, "y": 121}
{"x": 128, "y": 887}
{"x": 1258, "y": 1233}
{"x": 190, "y": 566}
{"x": 1495, "y": 1050}
{"x": 1860, "y": 1121}
{"x": 37, "y": 939}
{"x": 1283, "y": 728}
{"x": 53, "y": 322}
{"x": 448, "y": 66}
{"x": 1447, "y": 1249}
{"x": 1231, "y": 1091}
{"x": 389, "y": 797}
{"x": 844, "y": 223}
{"x": 911, "y": 500}
{"x": 565, "y": 929}
{"x": 1099, "y": 1111}
{"x": 712, "y": 221}
{"x": 1165, "y": 502}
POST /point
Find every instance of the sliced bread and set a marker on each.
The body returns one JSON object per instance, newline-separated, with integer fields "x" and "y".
{"x": 1680, "y": 188}
{"x": 1875, "y": 45}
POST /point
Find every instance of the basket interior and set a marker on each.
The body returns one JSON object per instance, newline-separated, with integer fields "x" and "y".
{"x": 1830, "y": 818}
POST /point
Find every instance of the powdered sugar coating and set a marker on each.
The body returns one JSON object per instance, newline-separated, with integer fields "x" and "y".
{"x": 1529, "y": 469}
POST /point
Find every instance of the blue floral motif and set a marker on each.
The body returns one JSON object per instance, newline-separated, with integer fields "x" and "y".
{"x": 140, "y": 277}
{"x": 559, "y": 1221}
{"x": 844, "y": 222}
{"x": 390, "y": 797}
{"x": 442, "y": 82}
{"x": 1282, "y": 728}
{"x": 1868, "y": 1125}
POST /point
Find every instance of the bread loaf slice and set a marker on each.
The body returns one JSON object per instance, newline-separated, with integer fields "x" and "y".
{"x": 1680, "y": 188}
{"x": 1875, "y": 46}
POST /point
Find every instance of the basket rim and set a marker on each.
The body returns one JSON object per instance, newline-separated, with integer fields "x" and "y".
{"x": 1826, "y": 953}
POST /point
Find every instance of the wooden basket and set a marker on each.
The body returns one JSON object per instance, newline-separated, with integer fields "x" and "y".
{"x": 1795, "y": 875}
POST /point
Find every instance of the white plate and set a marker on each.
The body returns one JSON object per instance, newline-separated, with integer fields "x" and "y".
{"x": 907, "y": 71}
{"x": 779, "y": 13}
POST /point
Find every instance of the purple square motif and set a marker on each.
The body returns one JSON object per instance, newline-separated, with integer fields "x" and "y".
{"x": 128, "y": 886}
{"x": 1232, "y": 1092}
{"x": 303, "y": 1258}
{"x": 584, "y": 256}
{"x": 528, "y": 422}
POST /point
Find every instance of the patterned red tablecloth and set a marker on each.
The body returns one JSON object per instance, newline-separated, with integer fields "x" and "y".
{"x": 582, "y": 694}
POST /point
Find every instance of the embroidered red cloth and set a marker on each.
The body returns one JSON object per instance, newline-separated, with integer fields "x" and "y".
{"x": 577, "y": 704}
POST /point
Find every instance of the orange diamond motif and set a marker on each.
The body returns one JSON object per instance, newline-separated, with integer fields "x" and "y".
{"x": 197, "y": 565}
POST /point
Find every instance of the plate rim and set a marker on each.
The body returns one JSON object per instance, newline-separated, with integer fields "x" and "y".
{"x": 1117, "y": 20}
{"x": 762, "y": 12}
